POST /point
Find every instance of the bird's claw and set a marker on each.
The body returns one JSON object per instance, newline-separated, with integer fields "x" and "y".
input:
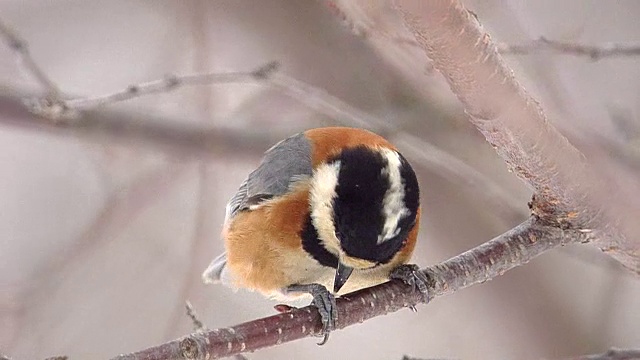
{"x": 411, "y": 275}
{"x": 325, "y": 302}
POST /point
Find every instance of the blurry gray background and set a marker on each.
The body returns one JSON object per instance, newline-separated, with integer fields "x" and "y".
{"x": 101, "y": 242}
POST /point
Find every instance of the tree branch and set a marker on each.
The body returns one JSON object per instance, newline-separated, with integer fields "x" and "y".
{"x": 569, "y": 192}
{"x": 175, "y": 138}
{"x": 594, "y": 52}
{"x": 611, "y": 354}
{"x": 171, "y": 82}
{"x": 513, "y": 248}
{"x": 28, "y": 63}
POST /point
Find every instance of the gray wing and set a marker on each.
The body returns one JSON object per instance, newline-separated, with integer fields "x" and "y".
{"x": 283, "y": 164}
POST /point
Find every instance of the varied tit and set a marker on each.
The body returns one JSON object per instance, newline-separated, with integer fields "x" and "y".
{"x": 330, "y": 208}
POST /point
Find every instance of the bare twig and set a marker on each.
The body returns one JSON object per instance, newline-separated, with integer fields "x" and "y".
{"x": 55, "y": 107}
{"x": 611, "y": 354}
{"x": 28, "y": 63}
{"x": 594, "y": 52}
{"x": 198, "y": 326}
{"x": 175, "y": 138}
{"x": 513, "y": 248}
{"x": 569, "y": 193}
{"x": 52, "y": 105}
{"x": 171, "y": 82}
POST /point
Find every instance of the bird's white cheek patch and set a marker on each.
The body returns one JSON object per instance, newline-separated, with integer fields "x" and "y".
{"x": 323, "y": 191}
{"x": 393, "y": 206}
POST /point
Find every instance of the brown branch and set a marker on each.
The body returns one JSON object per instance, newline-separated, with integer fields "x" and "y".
{"x": 569, "y": 193}
{"x": 611, "y": 354}
{"x": 513, "y": 248}
{"x": 594, "y": 52}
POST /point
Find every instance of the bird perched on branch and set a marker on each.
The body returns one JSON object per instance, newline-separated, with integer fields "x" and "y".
{"x": 330, "y": 208}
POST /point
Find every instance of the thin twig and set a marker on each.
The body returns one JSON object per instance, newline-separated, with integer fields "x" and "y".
{"x": 594, "y": 52}
{"x": 30, "y": 66}
{"x": 172, "y": 82}
{"x": 513, "y": 248}
{"x": 55, "y": 107}
{"x": 611, "y": 354}
{"x": 175, "y": 138}
{"x": 52, "y": 105}
{"x": 198, "y": 326}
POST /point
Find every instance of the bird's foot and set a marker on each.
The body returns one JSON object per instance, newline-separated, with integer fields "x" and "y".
{"x": 326, "y": 304}
{"x": 411, "y": 275}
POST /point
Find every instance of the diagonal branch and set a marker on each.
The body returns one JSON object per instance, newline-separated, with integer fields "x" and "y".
{"x": 594, "y": 52}
{"x": 569, "y": 192}
{"x": 28, "y": 63}
{"x": 513, "y": 248}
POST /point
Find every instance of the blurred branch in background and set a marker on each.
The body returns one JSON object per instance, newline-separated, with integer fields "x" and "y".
{"x": 29, "y": 66}
{"x": 612, "y": 354}
{"x": 595, "y": 52}
{"x": 176, "y": 139}
{"x": 207, "y": 142}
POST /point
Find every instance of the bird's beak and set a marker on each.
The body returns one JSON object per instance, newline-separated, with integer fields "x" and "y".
{"x": 342, "y": 274}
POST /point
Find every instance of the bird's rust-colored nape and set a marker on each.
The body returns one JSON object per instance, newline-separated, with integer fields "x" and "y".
{"x": 329, "y": 141}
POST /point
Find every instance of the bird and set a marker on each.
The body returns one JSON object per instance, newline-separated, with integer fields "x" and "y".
{"x": 329, "y": 208}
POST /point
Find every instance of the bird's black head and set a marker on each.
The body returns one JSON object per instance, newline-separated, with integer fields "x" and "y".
{"x": 376, "y": 203}
{"x": 364, "y": 203}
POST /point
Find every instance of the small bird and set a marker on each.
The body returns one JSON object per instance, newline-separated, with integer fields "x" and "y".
{"x": 329, "y": 208}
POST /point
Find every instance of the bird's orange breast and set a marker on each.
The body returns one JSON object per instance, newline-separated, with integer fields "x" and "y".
{"x": 262, "y": 243}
